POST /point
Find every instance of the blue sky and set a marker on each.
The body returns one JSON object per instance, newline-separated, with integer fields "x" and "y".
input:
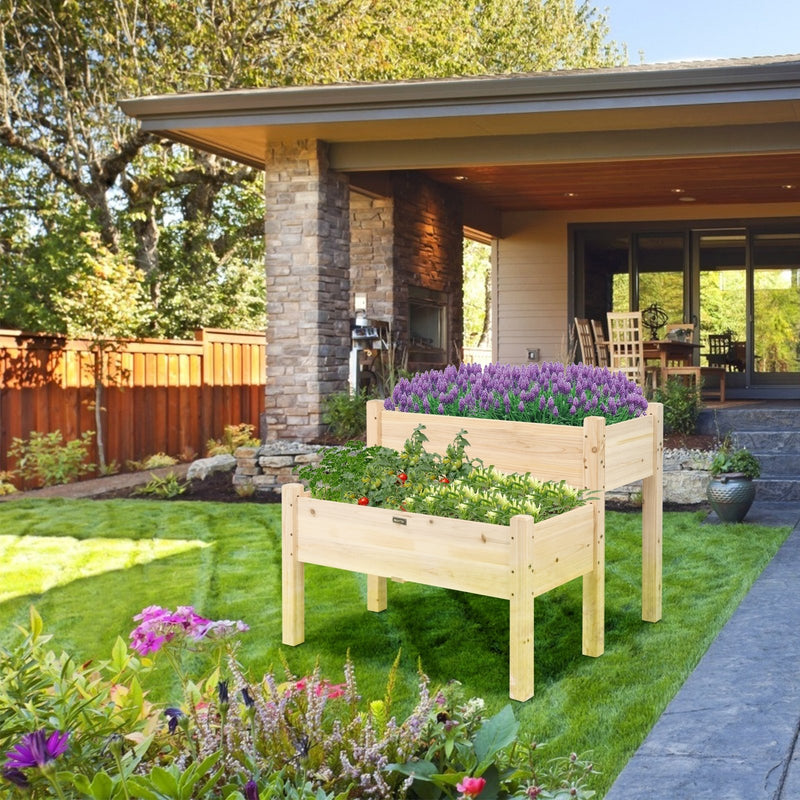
{"x": 679, "y": 30}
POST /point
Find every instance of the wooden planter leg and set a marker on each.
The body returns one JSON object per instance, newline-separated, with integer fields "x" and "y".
{"x": 293, "y": 570}
{"x": 652, "y": 521}
{"x": 594, "y": 585}
{"x": 594, "y": 588}
{"x": 521, "y": 609}
{"x": 376, "y": 593}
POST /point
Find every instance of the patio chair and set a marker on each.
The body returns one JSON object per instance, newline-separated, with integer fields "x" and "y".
{"x": 719, "y": 359}
{"x": 625, "y": 347}
{"x": 600, "y": 343}
{"x": 674, "y": 369}
{"x": 585, "y": 340}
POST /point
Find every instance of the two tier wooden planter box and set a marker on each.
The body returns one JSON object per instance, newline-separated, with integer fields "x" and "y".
{"x": 515, "y": 562}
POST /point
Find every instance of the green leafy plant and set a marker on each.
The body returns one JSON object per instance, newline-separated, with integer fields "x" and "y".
{"x": 240, "y": 435}
{"x": 727, "y": 459}
{"x": 287, "y": 737}
{"x": 87, "y": 705}
{"x": 449, "y": 485}
{"x": 6, "y": 486}
{"x": 168, "y": 487}
{"x": 681, "y": 405}
{"x": 345, "y": 414}
{"x": 45, "y": 459}
{"x": 152, "y": 462}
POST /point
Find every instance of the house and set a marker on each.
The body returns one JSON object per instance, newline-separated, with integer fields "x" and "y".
{"x": 676, "y": 184}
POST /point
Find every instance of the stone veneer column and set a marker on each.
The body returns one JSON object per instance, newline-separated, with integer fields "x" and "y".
{"x": 307, "y": 227}
{"x": 371, "y": 253}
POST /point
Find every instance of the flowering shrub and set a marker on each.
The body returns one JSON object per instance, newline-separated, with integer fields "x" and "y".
{"x": 532, "y": 393}
{"x": 232, "y": 738}
{"x": 452, "y": 485}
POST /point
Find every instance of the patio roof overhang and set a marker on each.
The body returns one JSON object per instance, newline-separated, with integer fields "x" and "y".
{"x": 721, "y": 132}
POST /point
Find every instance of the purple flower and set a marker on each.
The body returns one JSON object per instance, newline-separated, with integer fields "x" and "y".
{"x": 174, "y": 716}
{"x": 15, "y": 776}
{"x": 251, "y": 790}
{"x": 160, "y": 625}
{"x": 36, "y": 750}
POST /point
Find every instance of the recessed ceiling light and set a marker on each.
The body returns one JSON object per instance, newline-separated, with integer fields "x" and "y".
{"x": 570, "y": 194}
{"x": 677, "y": 191}
{"x": 788, "y": 186}
{"x": 460, "y": 178}
{"x": 686, "y": 199}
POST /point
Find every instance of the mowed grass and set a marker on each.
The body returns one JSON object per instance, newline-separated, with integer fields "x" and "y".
{"x": 90, "y": 566}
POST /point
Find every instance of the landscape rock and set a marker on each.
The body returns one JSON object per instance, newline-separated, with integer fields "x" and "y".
{"x": 203, "y": 467}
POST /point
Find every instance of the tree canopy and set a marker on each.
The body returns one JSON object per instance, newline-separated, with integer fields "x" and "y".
{"x": 72, "y": 163}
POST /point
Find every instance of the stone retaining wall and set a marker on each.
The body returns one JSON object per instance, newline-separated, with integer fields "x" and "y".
{"x": 685, "y": 479}
{"x": 268, "y": 467}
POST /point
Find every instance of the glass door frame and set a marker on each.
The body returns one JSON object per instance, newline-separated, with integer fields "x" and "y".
{"x": 746, "y": 385}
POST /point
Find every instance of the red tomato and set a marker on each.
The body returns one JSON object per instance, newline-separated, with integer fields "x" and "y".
{"x": 444, "y": 480}
{"x": 363, "y": 501}
{"x": 402, "y": 477}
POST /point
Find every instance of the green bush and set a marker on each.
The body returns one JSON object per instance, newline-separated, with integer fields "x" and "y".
{"x": 681, "y": 406}
{"x": 345, "y": 414}
{"x": 46, "y": 460}
{"x": 152, "y": 462}
{"x": 167, "y": 487}
{"x": 234, "y": 436}
{"x": 6, "y": 487}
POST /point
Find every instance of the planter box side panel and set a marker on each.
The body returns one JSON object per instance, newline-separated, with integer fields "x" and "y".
{"x": 630, "y": 451}
{"x": 465, "y": 556}
{"x": 548, "y": 452}
{"x": 563, "y": 548}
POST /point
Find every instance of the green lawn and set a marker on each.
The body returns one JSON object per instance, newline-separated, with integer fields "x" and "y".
{"x": 90, "y": 566}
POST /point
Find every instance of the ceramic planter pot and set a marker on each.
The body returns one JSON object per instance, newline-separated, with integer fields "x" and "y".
{"x": 731, "y": 495}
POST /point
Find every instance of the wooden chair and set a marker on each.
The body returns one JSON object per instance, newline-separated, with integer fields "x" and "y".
{"x": 681, "y": 370}
{"x": 625, "y": 346}
{"x": 719, "y": 360}
{"x": 600, "y": 343}
{"x": 584, "y": 334}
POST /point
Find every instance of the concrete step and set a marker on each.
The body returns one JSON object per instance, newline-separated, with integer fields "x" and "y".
{"x": 721, "y": 421}
{"x": 778, "y": 465}
{"x": 784, "y": 490}
{"x": 769, "y": 442}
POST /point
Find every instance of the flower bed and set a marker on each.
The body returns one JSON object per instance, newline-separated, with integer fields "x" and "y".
{"x": 515, "y": 562}
{"x": 510, "y": 419}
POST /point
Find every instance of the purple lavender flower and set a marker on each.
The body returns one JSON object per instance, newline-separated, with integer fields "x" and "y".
{"x": 251, "y": 790}
{"x": 36, "y": 749}
{"x": 532, "y": 392}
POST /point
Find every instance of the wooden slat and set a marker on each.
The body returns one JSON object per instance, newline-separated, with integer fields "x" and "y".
{"x": 548, "y": 452}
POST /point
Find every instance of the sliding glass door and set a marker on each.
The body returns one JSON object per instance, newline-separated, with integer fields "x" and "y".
{"x": 740, "y": 281}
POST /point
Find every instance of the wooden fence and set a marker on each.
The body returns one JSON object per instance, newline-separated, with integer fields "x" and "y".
{"x": 160, "y": 395}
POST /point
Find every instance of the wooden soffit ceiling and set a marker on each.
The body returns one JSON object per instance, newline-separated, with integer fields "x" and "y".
{"x": 629, "y": 183}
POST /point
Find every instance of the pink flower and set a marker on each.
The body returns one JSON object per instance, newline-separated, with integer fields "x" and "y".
{"x": 471, "y": 787}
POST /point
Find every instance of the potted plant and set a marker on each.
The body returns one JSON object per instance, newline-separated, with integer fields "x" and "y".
{"x": 731, "y": 489}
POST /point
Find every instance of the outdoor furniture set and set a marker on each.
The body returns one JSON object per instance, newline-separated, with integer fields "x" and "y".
{"x": 651, "y": 362}
{"x": 517, "y": 562}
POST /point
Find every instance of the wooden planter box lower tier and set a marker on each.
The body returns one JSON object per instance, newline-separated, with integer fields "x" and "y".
{"x": 517, "y": 562}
